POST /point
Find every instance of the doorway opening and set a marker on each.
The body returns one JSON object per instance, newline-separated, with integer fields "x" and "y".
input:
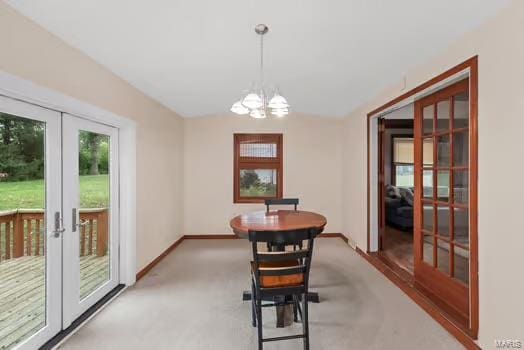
{"x": 397, "y": 174}
{"x": 422, "y": 192}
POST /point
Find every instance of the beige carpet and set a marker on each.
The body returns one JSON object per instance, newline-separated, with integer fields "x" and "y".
{"x": 192, "y": 300}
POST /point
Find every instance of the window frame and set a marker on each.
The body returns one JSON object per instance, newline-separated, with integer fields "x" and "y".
{"x": 395, "y": 164}
{"x": 240, "y": 163}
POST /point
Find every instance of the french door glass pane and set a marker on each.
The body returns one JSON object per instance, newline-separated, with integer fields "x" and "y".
{"x": 443, "y": 151}
{"x": 443, "y": 221}
{"x": 443, "y": 185}
{"x": 461, "y": 186}
{"x": 427, "y": 249}
{"x": 461, "y": 226}
{"x": 443, "y": 112}
{"x": 427, "y": 218}
{"x": 460, "y": 148}
{"x": 22, "y": 229}
{"x": 427, "y": 151}
{"x": 94, "y": 172}
{"x": 461, "y": 264}
{"x": 428, "y": 115}
{"x": 461, "y": 111}
{"x": 258, "y": 182}
{"x": 427, "y": 183}
{"x": 443, "y": 248}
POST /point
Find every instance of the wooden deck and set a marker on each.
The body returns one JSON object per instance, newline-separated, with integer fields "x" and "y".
{"x": 22, "y": 293}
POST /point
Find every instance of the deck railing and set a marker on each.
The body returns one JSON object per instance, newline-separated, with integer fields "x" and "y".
{"x": 22, "y": 232}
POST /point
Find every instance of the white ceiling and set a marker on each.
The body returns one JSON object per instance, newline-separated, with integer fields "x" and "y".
{"x": 196, "y": 56}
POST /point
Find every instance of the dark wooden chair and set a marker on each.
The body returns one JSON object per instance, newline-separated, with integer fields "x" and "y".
{"x": 281, "y": 201}
{"x": 281, "y": 276}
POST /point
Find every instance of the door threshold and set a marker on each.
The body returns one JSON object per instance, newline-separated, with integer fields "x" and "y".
{"x": 86, "y": 316}
{"x": 403, "y": 273}
{"x": 449, "y": 323}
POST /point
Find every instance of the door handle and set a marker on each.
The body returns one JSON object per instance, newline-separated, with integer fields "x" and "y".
{"x": 74, "y": 225}
{"x": 59, "y": 228}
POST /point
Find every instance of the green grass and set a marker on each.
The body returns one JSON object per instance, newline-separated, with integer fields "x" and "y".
{"x": 94, "y": 192}
{"x": 259, "y": 191}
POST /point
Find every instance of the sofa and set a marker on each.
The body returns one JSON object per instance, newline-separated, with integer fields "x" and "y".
{"x": 399, "y": 207}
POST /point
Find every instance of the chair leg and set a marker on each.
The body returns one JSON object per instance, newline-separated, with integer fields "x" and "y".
{"x": 295, "y": 312}
{"x": 253, "y": 299}
{"x": 259, "y": 322}
{"x": 305, "y": 322}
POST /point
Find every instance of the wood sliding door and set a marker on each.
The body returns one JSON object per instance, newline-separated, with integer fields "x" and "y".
{"x": 445, "y": 198}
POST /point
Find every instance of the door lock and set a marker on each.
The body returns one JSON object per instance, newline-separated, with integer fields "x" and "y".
{"x": 59, "y": 227}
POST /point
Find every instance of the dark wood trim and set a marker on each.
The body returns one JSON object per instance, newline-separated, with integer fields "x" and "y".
{"x": 213, "y": 236}
{"x": 159, "y": 258}
{"x": 426, "y": 304}
{"x": 257, "y": 163}
{"x": 398, "y": 123}
{"x": 458, "y": 68}
{"x": 155, "y": 262}
{"x": 472, "y": 64}
{"x": 473, "y": 179}
{"x": 334, "y": 235}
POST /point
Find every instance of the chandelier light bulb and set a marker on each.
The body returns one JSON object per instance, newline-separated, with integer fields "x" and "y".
{"x": 278, "y": 102}
{"x": 258, "y": 113}
{"x": 252, "y": 101}
{"x": 280, "y": 112}
{"x": 239, "y": 109}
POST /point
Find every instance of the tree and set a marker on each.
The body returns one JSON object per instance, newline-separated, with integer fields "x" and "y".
{"x": 21, "y": 148}
{"x": 249, "y": 179}
{"x": 94, "y": 147}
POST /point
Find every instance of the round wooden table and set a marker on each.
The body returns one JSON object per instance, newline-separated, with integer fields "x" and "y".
{"x": 278, "y": 220}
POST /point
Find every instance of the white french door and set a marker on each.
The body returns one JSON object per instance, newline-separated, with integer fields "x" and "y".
{"x": 90, "y": 215}
{"x": 59, "y": 227}
{"x": 30, "y": 237}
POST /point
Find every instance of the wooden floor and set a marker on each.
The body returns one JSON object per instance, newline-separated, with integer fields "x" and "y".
{"x": 22, "y": 293}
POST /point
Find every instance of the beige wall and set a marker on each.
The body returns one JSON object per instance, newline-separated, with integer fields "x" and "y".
{"x": 499, "y": 45}
{"x": 312, "y": 151}
{"x": 30, "y": 52}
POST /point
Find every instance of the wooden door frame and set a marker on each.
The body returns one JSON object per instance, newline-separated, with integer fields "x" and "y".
{"x": 471, "y": 66}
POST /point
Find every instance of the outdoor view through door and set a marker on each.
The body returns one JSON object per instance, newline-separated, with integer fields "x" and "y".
{"x": 22, "y": 232}
{"x": 59, "y": 231}
{"x": 94, "y": 206}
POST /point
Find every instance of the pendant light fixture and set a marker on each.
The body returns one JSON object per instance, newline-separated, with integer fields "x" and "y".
{"x": 256, "y": 102}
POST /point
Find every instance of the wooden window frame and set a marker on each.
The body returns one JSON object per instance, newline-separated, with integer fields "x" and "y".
{"x": 471, "y": 65}
{"x": 395, "y": 164}
{"x": 257, "y": 163}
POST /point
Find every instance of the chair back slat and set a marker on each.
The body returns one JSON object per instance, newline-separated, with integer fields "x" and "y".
{"x": 281, "y": 201}
{"x": 281, "y": 237}
{"x": 282, "y": 271}
{"x": 283, "y": 263}
{"x": 282, "y": 256}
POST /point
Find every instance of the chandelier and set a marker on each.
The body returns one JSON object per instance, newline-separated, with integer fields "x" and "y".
{"x": 256, "y": 101}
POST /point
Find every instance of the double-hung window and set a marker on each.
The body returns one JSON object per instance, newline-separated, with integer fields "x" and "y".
{"x": 257, "y": 167}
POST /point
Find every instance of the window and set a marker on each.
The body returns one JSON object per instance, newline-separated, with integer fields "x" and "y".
{"x": 258, "y": 167}
{"x": 403, "y": 160}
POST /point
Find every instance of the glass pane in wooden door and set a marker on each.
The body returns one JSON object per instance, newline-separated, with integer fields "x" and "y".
{"x": 94, "y": 173}
{"x": 22, "y": 229}
{"x": 445, "y": 219}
